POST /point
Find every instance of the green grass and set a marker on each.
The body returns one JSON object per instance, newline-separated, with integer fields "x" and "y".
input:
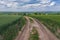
{"x": 52, "y": 22}
{"x": 5, "y": 19}
{"x": 10, "y": 25}
{"x": 34, "y": 35}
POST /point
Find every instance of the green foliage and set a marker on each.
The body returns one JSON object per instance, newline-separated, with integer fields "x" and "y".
{"x": 34, "y": 35}
{"x": 22, "y": 22}
{"x": 10, "y": 33}
{"x": 51, "y": 21}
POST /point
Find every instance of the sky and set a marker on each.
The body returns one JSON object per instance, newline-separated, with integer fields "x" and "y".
{"x": 29, "y": 5}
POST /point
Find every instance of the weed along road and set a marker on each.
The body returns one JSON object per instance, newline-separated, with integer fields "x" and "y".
{"x": 43, "y": 32}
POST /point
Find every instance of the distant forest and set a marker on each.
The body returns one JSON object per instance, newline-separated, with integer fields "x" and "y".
{"x": 28, "y": 13}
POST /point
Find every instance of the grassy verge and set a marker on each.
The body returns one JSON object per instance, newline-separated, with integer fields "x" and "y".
{"x": 34, "y": 35}
{"x": 31, "y": 20}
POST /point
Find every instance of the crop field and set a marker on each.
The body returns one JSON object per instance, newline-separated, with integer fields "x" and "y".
{"x": 10, "y": 25}
{"x": 52, "y": 22}
{"x": 5, "y": 19}
{"x": 35, "y": 26}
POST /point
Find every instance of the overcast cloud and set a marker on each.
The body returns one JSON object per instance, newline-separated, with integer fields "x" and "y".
{"x": 27, "y": 4}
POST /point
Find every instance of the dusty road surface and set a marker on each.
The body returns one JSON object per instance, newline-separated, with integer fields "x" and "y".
{"x": 44, "y": 33}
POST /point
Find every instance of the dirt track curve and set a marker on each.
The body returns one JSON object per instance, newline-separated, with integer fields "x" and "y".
{"x": 44, "y": 33}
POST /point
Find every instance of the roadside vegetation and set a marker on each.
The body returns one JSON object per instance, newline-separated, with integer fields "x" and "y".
{"x": 10, "y": 25}
{"x": 34, "y": 35}
{"x": 52, "y": 22}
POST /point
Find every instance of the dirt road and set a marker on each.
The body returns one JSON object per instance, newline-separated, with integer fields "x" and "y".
{"x": 44, "y": 33}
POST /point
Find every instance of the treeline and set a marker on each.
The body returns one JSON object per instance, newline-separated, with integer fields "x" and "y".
{"x": 30, "y": 13}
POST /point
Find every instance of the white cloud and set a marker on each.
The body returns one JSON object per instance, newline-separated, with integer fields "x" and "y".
{"x": 42, "y": 3}
{"x": 31, "y": 5}
{"x": 9, "y": 4}
{"x": 12, "y": 0}
{"x": 2, "y": 2}
{"x": 25, "y": 0}
{"x": 52, "y": 3}
{"x": 12, "y": 4}
{"x": 45, "y": 1}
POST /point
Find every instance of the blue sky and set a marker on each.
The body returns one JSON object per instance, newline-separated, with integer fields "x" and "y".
{"x": 29, "y": 5}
